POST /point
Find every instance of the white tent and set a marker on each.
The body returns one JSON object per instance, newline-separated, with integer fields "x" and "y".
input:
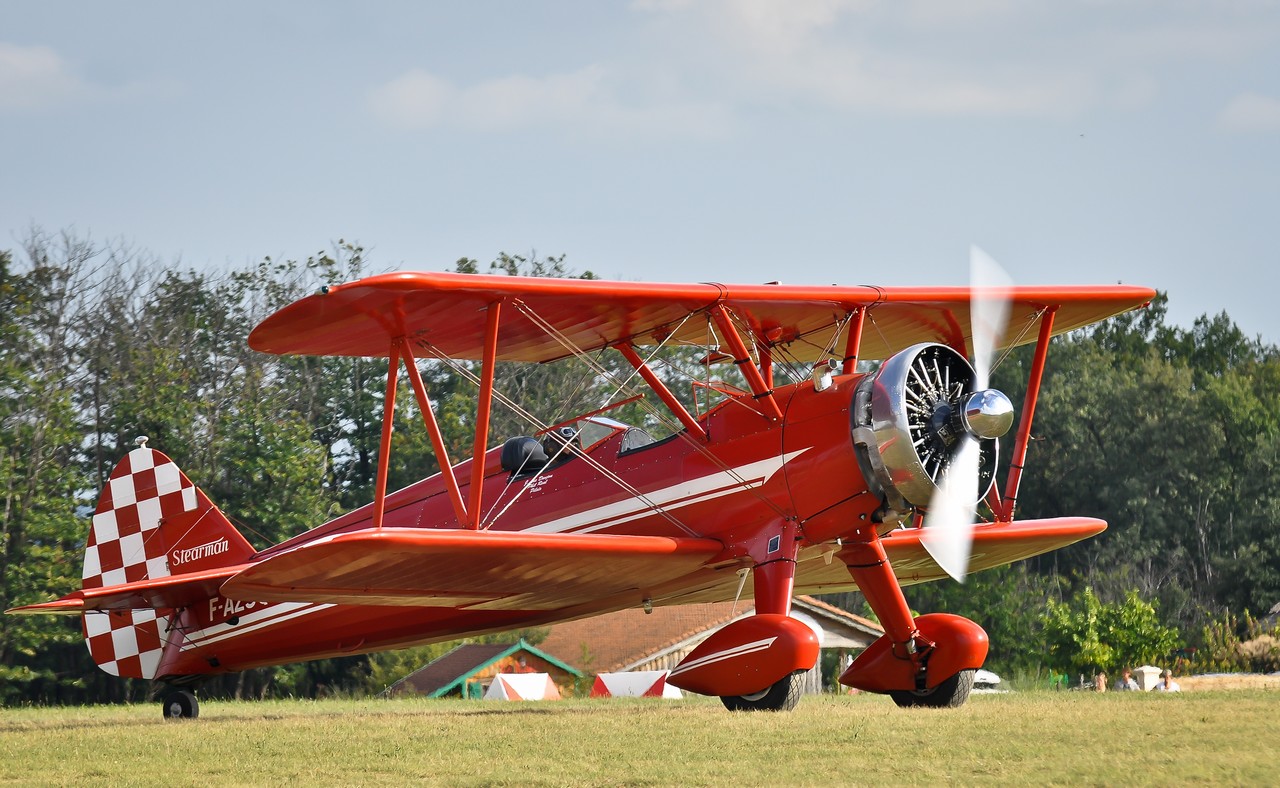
{"x": 522, "y": 686}
{"x": 634, "y": 684}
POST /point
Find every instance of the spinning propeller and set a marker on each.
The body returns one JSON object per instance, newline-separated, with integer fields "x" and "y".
{"x": 983, "y": 414}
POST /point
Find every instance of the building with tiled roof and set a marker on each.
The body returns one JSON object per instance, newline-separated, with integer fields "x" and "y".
{"x": 467, "y": 670}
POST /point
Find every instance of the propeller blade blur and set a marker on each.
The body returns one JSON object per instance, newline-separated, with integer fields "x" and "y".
{"x": 948, "y": 525}
{"x": 989, "y": 288}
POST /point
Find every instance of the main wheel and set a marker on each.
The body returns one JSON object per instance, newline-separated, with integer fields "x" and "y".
{"x": 783, "y": 695}
{"x": 950, "y": 694}
{"x": 180, "y": 704}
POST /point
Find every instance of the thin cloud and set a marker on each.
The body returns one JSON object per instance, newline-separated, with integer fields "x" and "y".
{"x": 35, "y": 77}
{"x": 941, "y": 58}
{"x": 413, "y": 100}
{"x": 580, "y": 102}
{"x": 1250, "y": 112}
{"x": 867, "y": 56}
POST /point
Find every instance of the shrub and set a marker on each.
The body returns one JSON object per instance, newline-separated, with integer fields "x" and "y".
{"x": 1239, "y": 645}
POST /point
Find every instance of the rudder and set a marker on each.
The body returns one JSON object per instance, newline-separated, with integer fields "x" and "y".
{"x": 151, "y": 522}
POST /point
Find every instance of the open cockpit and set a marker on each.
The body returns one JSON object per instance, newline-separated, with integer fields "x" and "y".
{"x": 525, "y": 454}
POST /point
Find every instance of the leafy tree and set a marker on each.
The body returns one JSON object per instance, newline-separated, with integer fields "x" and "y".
{"x": 1088, "y": 635}
{"x": 1238, "y": 643}
{"x": 1164, "y": 433}
{"x": 41, "y": 535}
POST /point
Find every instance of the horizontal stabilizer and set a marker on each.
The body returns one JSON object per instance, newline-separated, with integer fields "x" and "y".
{"x": 476, "y": 569}
{"x": 164, "y": 592}
{"x": 68, "y": 605}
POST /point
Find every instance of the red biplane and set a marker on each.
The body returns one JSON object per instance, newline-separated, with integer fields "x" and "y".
{"x": 837, "y": 480}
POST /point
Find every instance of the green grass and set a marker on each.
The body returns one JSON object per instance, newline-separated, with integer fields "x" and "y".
{"x": 1037, "y": 737}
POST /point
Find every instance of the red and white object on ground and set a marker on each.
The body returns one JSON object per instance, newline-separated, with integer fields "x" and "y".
{"x": 635, "y": 684}
{"x": 522, "y": 686}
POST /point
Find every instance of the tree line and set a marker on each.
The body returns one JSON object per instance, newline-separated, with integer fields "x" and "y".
{"x": 1172, "y": 435}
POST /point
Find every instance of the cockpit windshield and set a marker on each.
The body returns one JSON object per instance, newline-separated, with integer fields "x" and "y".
{"x": 523, "y": 454}
{"x": 595, "y": 430}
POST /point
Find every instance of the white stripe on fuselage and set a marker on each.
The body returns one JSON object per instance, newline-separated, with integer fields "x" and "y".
{"x": 271, "y": 615}
{"x": 677, "y": 496}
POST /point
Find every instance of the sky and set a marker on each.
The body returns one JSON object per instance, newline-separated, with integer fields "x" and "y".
{"x": 738, "y": 141}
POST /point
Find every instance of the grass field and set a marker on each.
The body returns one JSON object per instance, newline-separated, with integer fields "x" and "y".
{"x": 1036, "y": 737}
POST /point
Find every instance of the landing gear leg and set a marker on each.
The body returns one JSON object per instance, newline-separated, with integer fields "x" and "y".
{"x": 179, "y": 704}
{"x": 774, "y": 582}
{"x": 927, "y": 660}
{"x": 870, "y": 568}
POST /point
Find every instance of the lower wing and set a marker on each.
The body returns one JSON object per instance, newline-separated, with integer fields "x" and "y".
{"x": 498, "y": 570}
{"x": 525, "y": 571}
{"x": 994, "y": 544}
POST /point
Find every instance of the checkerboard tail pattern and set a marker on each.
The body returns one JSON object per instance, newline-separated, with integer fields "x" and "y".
{"x": 144, "y": 490}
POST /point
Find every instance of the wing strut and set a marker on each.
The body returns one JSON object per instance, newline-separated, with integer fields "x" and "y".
{"x": 1005, "y": 507}
{"x": 384, "y": 447}
{"x": 433, "y": 429}
{"x": 400, "y": 349}
{"x": 765, "y": 352}
{"x": 741, "y": 357}
{"x": 483, "y": 408}
{"x": 686, "y": 418}
{"x": 853, "y": 343}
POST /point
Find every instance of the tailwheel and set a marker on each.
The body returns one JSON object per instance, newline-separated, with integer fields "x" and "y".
{"x": 950, "y": 694}
{"x": 180, "y": 704}
{"x": 783, "y": 695}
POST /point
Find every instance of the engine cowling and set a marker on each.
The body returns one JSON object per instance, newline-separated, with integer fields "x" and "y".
{"x": 908, "y": 420}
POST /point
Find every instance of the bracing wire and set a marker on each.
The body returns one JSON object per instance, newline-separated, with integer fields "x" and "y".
{"x": 540, "y": 426}
{"x": 569, "y": 345}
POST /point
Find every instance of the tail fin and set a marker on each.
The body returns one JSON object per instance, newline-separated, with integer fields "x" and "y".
{"x": 151, "y": 522}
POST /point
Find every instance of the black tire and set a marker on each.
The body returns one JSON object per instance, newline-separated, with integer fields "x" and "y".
{"x": 180, "y": 705}
{"x": 784, "y": 695}
{"x": 950, "y": 694}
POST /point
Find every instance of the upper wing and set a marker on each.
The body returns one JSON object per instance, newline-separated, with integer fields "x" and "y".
{"x": 474, "y": 569}
{"x": 447, "y": 311}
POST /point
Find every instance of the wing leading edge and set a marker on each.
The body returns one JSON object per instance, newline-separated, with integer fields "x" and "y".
{"x": 447, "y": 312}
{"x": 493, "y": 570}
{"x": 994, "y": 544}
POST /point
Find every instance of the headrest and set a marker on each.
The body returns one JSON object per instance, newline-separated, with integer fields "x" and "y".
{"x": 523, "y": 454}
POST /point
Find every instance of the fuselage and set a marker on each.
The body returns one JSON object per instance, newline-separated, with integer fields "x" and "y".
{"x": 754, "y": 478}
